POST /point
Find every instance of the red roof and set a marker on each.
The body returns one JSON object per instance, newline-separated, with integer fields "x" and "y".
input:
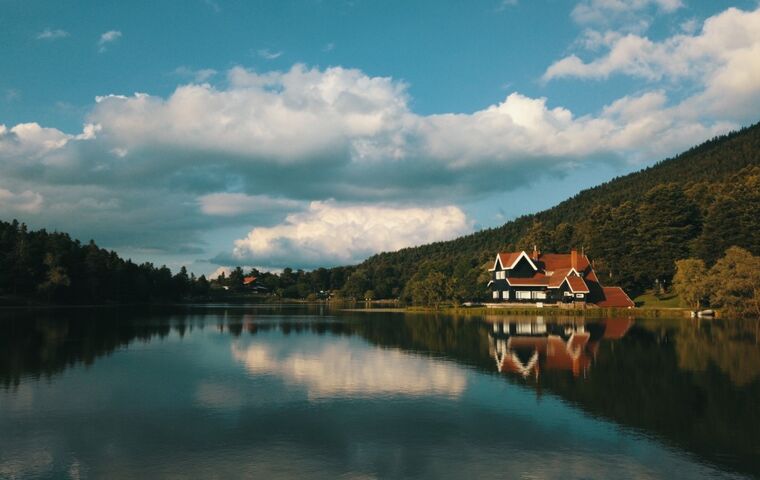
{"x": 577, "y": 285}
{"x": 556, "y": 261}
{"x": 615, "y": 297}
{"x": 248, "y": 280}
{"x": 538, "y": 278}
{"x": 554, "y": 268}
{"x": 558, "y": 277}
{"x": 508, "y": 258}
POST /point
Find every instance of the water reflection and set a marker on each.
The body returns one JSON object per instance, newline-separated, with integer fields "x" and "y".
{"x": 259, "y": 374}
{"x": 339, "y": 369}
{"x": 527, "y": 346}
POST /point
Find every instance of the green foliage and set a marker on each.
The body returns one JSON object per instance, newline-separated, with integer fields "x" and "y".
{"x": 634, "y": 227}
{"x": 52, "y": 267}
{"x": 690, "y": 281}
{"x": 735, "y": 283}
{"x": 432, "y": 289}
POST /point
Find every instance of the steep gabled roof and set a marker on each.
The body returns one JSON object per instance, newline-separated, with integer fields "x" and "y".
{"x": 558, "y": 277}
{"x": 576, "y": 284}
{"x": 508, "y": 260}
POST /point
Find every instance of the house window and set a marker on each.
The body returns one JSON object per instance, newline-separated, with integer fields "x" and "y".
{"x": 495, "y": 294}
{"x": 505, "y": 294}
{"x": 539, "y": 295}
{"x": 578, "y": 295}
{"x": 501, "y": 275}
{"x": 521, "y": 295}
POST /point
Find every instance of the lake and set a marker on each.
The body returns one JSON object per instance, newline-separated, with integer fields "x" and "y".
{"x": 284, "y": 392}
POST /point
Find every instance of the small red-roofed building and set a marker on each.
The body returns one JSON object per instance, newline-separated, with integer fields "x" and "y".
{"x": 519, "y": 277}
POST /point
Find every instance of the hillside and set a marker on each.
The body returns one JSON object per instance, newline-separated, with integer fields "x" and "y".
{"x": 634, "y": 227}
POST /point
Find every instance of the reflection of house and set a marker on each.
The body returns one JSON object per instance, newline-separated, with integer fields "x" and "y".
{"x": 551, "y": 278}
{"x": 525, "y": 348}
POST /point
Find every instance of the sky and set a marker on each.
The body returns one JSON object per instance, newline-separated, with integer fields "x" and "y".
{"x": 212, "y": 133}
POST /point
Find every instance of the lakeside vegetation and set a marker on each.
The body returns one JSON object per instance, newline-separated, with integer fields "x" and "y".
{"x": 635, "y": 228}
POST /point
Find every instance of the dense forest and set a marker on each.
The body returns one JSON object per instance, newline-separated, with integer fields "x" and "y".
{"x": 635, "y": 228}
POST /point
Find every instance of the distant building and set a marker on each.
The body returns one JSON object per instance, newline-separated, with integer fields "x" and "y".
{"x": 517, "y": 277}
{"x": 250, "y": 283}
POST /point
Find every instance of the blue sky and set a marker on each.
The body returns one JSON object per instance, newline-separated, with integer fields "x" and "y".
{"x": 211, "y": 133}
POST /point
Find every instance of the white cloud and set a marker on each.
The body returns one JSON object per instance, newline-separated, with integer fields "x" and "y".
{"x": 23, "y": 202}
{"x": 722, "y": 59}
{"x": 630, "y": 15}
{"x": 219, "y": 271}
{"x": 337, "y": 370}
{"x": 267, "y": 54}
{"x": 50, "y": 34}
{"x": 106, "y": 38}
{"x": 282, "y": 139}
{"x": 329, "y": 233}
{"x": 231, "y": 204}
{"x": 722, "y": 37}
{"x": 30, "y": 141}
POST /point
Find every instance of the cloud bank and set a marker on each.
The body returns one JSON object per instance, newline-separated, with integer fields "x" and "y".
{"x": 303, "y": 153}
{"x": 330, "y": 234}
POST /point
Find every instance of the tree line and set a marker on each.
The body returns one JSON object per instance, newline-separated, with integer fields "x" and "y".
{"x": 634, "y": 228}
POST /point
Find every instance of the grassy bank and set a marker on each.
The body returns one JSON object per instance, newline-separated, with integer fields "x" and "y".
{"x": 554, "y": 311}
{"x": 650, "y": 299}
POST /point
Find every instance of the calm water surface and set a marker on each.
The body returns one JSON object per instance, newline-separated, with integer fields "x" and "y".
{"x": 277, "y": 392}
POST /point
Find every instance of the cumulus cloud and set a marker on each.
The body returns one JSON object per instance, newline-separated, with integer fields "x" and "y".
{"x": 328, "y": 233}
{"x": 50, "y": 34}
{"x": 633, "y": 15}
{"x": 25, "y": 202}
{"x": 721, "y": 58}
{"x": 106, "y": 38}
{"x": 267, "y": 149}
{"x": 722, "y": 37}
{"x": 337, "y": 370}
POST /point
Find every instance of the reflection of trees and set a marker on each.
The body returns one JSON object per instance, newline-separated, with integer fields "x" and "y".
{"x": 639, "y": 382}
{"x": 732, "y": 347}
{"x": 694, "y": 385}
{"x": 44, "y": 343}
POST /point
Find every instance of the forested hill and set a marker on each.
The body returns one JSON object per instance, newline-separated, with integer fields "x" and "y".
{"x": 634, "y": 227}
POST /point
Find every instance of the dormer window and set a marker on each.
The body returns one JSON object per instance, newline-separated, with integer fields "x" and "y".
{"x": 501, "y": 275}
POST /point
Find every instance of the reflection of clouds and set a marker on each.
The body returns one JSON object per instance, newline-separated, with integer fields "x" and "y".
{"x": 217, "y": 395}
{"x": 337, "y": 370}
{"x": 16, "y": 462}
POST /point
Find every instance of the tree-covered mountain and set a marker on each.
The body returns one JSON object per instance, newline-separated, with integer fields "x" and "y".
{"x": 634, "y": 227}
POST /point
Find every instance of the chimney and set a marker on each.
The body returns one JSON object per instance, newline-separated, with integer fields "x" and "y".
{"x": 535, "y": 252}
{"x": 574, "y": 259}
